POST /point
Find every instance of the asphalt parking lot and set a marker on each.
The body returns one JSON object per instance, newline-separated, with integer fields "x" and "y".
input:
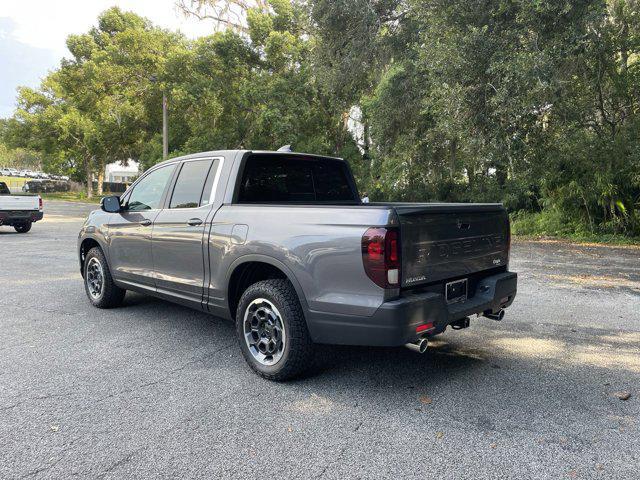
{"x": 156, "y": 390}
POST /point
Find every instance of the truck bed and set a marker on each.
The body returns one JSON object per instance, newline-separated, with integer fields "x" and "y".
{"x": 19, "y": 202}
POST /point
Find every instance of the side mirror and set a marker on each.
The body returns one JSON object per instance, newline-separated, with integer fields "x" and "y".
{"x": 110, "y": 204}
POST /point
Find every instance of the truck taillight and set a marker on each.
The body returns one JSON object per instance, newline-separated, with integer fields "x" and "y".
{"x": 40, "y": 204}
{"x": 381, "y": 256}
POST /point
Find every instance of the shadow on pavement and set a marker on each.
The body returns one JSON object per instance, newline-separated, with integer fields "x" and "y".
{"x": 479, "y": 355}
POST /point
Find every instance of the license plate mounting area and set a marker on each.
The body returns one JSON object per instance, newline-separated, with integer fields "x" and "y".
{"x": 456, "y": 291}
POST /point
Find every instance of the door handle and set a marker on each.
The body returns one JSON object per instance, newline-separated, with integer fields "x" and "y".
{"x": 145, "y": 223}
{"x": 194, "y": 222}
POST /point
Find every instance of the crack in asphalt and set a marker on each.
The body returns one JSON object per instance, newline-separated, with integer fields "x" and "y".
{"x": 118, "y": 463}
{"x": 165, "y": 377}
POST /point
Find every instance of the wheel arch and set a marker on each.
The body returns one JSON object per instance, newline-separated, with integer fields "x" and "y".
{"x": 87, "y": 244}
{"x": 250, "y": 269}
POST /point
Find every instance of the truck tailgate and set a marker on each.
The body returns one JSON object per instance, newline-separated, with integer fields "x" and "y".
{"x": 445, "y": 241}
{"x": 19, "y": 202}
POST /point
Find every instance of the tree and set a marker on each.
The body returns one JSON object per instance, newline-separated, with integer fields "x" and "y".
{"x": 531, "y": 103}
{"x": 100, "y": 105}
{"x": 534, "y": 103}
{"x": 254, "y": 87}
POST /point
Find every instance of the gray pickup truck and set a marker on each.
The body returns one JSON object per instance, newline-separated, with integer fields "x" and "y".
{"x": 281, "y": 244}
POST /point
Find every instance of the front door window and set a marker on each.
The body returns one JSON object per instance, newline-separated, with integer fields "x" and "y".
{"x": 147, "y": 194}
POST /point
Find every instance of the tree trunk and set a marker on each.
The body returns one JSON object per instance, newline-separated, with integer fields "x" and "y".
{"x": 100, "y": 180}
{"x": 366, "y": 155}
{"x": 344, "y": 127}
{"x": 586, "y": 207}
{"x": 471, "y": 175}
{"x": 453, "y": 160}
{"x": 87, "y": 171}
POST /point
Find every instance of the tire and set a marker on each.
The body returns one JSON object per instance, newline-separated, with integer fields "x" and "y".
{"x": 23, "y": 227}
{"x": 274, "y": 299}
{"x": 98, "y": 283}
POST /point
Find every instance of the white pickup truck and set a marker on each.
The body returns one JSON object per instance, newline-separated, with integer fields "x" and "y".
{"x": 19, "y": 211}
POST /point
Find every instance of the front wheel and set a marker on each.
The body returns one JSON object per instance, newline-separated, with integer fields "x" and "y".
{"x": 272, "y": 330}
{"x": 23, "y": 227}
{"x": 98, "y": 283}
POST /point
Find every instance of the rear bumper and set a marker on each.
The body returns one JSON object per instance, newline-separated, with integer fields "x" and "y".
{"x": 395, "y": 322}
{"x": 20, "y": 216}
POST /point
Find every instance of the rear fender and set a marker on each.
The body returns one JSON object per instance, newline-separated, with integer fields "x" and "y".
{"x": 275, "y": 263}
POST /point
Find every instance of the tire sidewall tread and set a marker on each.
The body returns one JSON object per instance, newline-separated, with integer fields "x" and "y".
{"x": 112, "y": 295}
{"x": 298, "y": 352}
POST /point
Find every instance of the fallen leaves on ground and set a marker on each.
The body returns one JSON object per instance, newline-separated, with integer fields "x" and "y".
{"x": 622, "y": 395}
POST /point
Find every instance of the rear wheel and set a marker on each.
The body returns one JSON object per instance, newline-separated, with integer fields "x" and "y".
{"x": 98, "y": 283}
{"x": 272, "y": 330}
{"x": 23, "y": 227}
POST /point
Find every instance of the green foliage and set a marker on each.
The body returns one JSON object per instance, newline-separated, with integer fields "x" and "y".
{"x": 19, "y": 158}
{"x": 552, "y": 223}
{"x": 535, "y": 104}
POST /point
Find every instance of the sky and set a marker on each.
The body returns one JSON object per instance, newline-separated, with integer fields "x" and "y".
{"x": 33, "y": 34}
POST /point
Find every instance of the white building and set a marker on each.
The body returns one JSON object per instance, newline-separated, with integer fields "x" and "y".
{"x": 116, "y": 172}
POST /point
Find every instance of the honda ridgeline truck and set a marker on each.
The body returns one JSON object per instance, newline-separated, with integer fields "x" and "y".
{"x": 281, "y": 244}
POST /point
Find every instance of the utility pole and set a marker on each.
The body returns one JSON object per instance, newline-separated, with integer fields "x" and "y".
{"x": 165, "y": 120}
{"x": 165, "y": 127}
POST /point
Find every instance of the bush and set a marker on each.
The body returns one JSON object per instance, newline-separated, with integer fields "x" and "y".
{"x": 552, "y": 223}
{"x": 546, "y": 223}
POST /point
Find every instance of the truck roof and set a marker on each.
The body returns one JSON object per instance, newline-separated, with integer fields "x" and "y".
{"x": 233, "y": 153}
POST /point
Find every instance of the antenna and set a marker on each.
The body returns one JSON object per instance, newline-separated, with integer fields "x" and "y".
{"x": 286, "y": 148}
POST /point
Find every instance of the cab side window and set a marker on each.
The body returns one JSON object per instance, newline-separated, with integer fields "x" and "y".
{"x": 147, "y": 194}
{"x": 192, "y": 188}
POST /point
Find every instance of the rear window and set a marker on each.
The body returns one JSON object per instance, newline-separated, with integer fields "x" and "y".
{"x": 274, "y": 179}
{"x": 188, "y": 191}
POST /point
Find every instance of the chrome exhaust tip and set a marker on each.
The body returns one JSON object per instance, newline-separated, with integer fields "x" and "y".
{"x": 419, "y": 346}
{"x": 494, "y": 316}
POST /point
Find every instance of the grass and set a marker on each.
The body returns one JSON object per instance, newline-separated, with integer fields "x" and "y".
{"x": 549, "y": 225}
{"x": 76, "y": 196}
{"x": 71, "y": 197}
{"x": 595, "y": 239}
{"x": 17, "y": 183}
